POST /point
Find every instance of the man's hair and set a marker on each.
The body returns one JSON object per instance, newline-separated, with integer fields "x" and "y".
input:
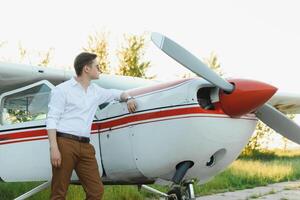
{"x": 83, "y": 59}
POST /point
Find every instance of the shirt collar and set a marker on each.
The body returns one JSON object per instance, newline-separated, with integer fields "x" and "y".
{"x": 73, "y": 81}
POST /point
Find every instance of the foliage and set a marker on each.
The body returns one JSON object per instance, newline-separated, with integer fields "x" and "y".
{"x": 43, "y": 57}
{"x": 213, "y": 62}
{"x": 284, "y": 139}
{"x": 261, "y": 137}
{"x": 130, "y": 56}
{"x": 98, "y": 45}
{"x": 258, "y": 140}
{"x": 18, "y": 116}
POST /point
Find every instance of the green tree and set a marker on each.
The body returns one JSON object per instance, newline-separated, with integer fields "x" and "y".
{"x": 130, "y": 56}
{"x": 98, "y": 45}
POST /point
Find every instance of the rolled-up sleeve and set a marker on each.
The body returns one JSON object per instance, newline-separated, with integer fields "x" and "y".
{"x": 55, "y": 108}
{"x": 108, "y": 95}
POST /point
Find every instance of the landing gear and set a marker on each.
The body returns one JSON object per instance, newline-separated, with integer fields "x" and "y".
{"x": 175, "y": 193}
{"x": 182, "y": 192}
{"x": 34, "y": 191}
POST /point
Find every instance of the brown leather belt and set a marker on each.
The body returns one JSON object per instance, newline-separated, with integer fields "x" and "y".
{"x": 73, "y": 137}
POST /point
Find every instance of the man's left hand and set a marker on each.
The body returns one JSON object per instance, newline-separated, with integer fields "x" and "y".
{"x": 131, "y": 105}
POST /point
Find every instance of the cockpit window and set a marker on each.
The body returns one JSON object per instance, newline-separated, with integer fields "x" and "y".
{"x": 27, "y": 105}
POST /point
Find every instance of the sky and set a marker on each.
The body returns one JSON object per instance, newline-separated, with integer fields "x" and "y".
{"x": 253, "y": 39}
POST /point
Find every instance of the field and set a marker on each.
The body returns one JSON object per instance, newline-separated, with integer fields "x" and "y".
{"x": 246, "y": 172}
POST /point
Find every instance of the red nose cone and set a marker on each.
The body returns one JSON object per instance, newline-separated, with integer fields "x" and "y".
{"x": 247, "y": 96}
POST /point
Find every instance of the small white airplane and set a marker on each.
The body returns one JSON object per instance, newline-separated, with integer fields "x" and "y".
{"x": 183, "y": 131}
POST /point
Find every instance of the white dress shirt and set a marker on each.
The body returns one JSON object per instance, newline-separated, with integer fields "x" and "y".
{"x": 71, "y": 109}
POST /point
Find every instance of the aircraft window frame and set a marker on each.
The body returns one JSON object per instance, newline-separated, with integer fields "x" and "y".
{"x": 20, "y": 90}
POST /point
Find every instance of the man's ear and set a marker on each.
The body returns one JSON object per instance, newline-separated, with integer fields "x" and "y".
{"x": 85, "y": 68}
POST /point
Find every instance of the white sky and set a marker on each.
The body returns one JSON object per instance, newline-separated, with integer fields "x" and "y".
{"x": 254, "y": 39}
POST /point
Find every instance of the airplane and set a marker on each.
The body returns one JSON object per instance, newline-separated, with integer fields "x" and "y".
{"x": 183, "y": 131}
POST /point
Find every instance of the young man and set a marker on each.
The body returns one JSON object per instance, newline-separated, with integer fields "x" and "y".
{"x": 71, "y": 111}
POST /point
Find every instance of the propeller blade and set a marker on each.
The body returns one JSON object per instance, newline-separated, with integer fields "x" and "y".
{"x": 279, "y": 122}
{"x": 190, "y": 61}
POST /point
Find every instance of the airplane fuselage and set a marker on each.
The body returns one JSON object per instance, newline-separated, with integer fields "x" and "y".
{"x": 175, "y": 122}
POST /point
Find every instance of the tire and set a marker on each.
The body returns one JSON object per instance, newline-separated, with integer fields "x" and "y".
{"x": 176, "y": 194}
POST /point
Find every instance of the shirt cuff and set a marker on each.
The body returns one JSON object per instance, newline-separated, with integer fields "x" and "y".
{"x": 50, "y": 124}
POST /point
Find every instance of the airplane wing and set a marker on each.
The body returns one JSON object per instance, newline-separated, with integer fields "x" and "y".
{"x": 288, "y": 103}
{"x": 17, "y": 75}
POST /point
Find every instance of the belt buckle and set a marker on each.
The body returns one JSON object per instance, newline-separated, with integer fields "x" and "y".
{"x": 80, "y": 138}
{"x": 83, "y": 139}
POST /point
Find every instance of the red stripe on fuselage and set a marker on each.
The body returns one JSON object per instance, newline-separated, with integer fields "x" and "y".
{"x": 111, "y": 123}
{"x": 153, "y": 115}
{"x": 23, "y": 134}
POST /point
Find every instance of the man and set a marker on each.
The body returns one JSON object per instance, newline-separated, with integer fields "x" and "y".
{"x": 71, "y": 111}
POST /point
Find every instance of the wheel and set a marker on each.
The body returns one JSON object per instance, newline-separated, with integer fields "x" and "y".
{"x": 175, "y": 194}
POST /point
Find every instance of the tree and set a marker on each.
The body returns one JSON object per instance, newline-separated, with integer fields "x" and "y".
{"x": 130, "y": 56}
{"x": 22, "y": 52}
{"x": 214, "y": 63}
{"x": 259, "y": 139}
{"x": 43, "y": 57}
{"x": 17, "y": 114}
{"x": 98, "y": 45}
{"x": 284, "y": 139}
{"x": 2, "y": 44}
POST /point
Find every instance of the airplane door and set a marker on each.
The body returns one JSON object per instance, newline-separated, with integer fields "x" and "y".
{"x": 24, "y": 148}
{"x": 116, "y": 145}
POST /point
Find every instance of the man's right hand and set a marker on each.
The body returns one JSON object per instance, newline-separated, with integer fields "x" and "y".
{"x": 55, "y": 157}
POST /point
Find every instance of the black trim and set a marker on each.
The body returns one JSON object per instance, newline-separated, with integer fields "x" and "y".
{"x": 100, "y": 150}
{"x": 181, "y": 105}
{"x": 1, "y": 180}
{"x": 15, "y": 129}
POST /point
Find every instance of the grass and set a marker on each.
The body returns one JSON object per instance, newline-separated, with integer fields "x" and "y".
{"x": 247, "y": 172}
{"x": 11, "y": 190}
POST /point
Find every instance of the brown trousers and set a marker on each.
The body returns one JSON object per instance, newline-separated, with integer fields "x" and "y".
{"x": 80, "y": 157}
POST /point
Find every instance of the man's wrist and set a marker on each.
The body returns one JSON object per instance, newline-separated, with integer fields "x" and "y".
{"x": 129, "y": 98}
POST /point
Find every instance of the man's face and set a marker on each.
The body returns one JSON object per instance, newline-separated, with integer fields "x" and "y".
{"x": 93, "y": 70}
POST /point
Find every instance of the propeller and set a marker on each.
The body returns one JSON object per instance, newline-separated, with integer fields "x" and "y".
{"x": 232, "y": 94}
{"x": 278, "y": 122}
{"x": 190, "y": 61}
